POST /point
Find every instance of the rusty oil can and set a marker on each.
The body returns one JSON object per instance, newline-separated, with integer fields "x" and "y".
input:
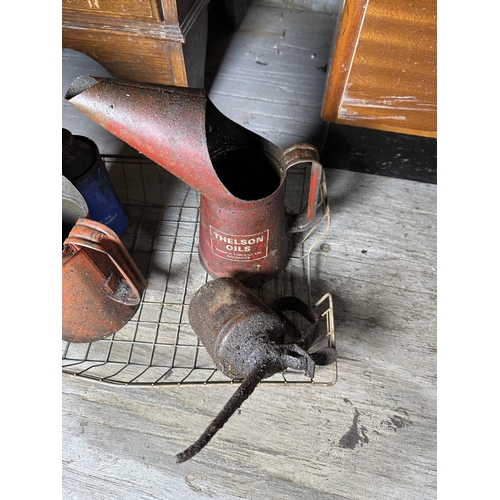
{"x": 101, "y": 284}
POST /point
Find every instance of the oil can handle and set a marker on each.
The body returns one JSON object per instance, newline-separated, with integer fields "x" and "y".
{"x": 96, "y": 236}
{"x": 301, "y": 153}
{"x": 324, "y": 355}
{"x": 294, "y": 304}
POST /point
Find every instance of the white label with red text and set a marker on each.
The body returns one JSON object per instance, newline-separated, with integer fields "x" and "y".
{"x": 239, "y": 247}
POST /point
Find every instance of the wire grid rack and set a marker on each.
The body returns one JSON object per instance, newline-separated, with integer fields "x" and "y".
{"x": 157, "y": 346}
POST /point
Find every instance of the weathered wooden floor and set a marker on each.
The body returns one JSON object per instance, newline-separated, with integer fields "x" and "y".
{"x": 372, "y": 435}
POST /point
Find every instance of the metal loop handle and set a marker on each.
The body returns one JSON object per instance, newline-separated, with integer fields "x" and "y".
{"x": 294, "y": 304}
{"x": 323, "y": 356}
{"x": 96, "y": 236}
{"x": 302, "y": 153}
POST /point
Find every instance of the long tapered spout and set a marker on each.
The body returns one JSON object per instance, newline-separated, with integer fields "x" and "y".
{"x": 241, "y": 394}
{"x": 176, "y": 127}
{"x": 165, "y": 124}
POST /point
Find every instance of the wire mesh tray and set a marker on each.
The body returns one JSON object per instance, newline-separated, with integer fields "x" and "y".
{"x": 157, "y": 346}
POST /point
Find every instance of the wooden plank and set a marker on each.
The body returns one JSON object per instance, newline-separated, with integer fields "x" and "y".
{"x": 149, "y": 10}
{"x": 372, "y": 435}
{"x": 344, "y": 50}
{"x": 136, "y": 57}
{"x": 383, "y": 74}
{"x": 272, "y": 76}
{"x": 140, "y": 41}
{"x": 325, "y": 6}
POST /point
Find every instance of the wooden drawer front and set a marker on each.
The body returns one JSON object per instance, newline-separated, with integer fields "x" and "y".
{"x": 146, "y": 10}
{"x": 383, "y": 74}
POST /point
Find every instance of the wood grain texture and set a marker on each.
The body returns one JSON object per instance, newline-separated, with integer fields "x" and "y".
{"x": 344, "y": 50}
{"x": 145, "y": 10}
{"x": 145, "y": 41}
{"x": 139, "y": 57}
{"x": 384, "y": 68}
{"x": 370, "y": 436}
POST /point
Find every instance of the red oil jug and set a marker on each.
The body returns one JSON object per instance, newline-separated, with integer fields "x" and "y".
{"x": 239, "y": 174}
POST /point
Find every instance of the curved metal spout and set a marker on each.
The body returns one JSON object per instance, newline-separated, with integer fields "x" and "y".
{"x": 176, "y": 127}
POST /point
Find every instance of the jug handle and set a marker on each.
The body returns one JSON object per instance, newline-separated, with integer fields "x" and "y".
{"x": 301, "y": 153}
{"x": 96, "y": 236}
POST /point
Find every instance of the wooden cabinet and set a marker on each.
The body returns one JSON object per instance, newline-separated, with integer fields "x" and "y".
{"x": 155, "y": 41}
{"x": 383, "y": 70}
